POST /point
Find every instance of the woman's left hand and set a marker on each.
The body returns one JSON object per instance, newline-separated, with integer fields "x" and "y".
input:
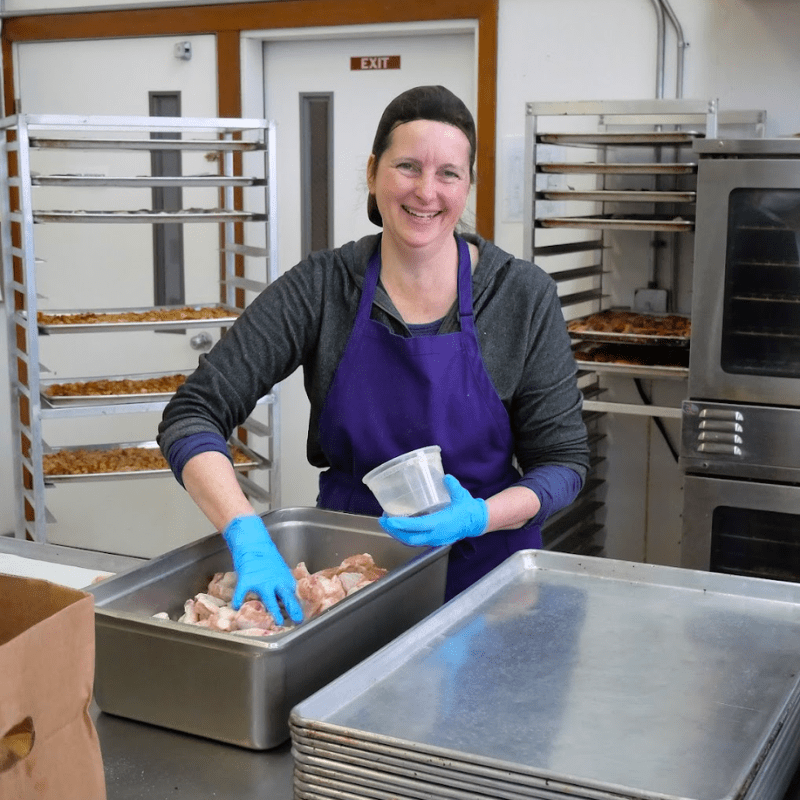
{"x": 465, "y": 516}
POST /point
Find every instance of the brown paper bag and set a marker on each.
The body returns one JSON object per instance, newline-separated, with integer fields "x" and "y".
{"x": 48, "y": 743}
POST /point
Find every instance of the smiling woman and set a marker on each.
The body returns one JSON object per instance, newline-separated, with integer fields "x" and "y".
{"x": 422, "y": 337}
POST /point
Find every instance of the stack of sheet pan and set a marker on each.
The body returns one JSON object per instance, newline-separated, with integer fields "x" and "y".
{"x": 560, "y": 677}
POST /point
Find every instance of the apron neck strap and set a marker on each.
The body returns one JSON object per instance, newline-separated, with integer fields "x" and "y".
{"x": 464, "y": 280}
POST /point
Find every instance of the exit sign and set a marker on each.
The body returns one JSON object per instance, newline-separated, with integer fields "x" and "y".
{"x": 374, "y": 62}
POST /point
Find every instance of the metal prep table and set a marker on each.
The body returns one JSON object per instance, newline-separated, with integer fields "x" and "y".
{"x": 144, "y": 762}
{"x": 147, "y": 763}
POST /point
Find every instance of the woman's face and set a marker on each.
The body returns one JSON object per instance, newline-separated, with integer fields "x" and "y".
{"x": 421, "y": 182}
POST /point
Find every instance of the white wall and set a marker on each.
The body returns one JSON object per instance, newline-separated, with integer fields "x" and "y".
{"x": 740, "y": 51}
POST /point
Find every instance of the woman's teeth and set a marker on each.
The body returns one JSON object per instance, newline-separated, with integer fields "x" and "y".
{"x": 429, "y": 215}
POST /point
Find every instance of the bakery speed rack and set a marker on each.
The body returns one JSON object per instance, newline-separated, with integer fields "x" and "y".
{"x": 609, "y": 198}
{"x": 237, "y": 159}
{"x": 610, "y": 189}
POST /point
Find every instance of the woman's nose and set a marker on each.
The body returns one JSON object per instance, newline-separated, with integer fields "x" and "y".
{"x": 425, "y": 186}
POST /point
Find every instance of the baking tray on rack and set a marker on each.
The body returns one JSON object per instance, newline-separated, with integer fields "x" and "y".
{"x": 654, "y": 138}
{"x": 636, "y": 360}
{"x": 621, "y": 222}
{"x": 112, "y": 385}
{"x": 570, "y": 676}
{"x": 143, "y": 181}
{"x": 238, "y": 689}
{"x": 618, "y": 168}
{"x": 148, "y": 215}
{"x": 114, "y": 319}
{"x": 251, "y": 460}
{"x": 627, "y": 318}
{"x": 620, "y": 196}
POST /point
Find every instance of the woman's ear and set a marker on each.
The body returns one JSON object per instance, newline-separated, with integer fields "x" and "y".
{"x": 371, "y": 165}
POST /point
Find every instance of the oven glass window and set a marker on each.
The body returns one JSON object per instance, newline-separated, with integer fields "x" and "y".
{"x": 761, "y": 544}
{"x": 761, "y": 319}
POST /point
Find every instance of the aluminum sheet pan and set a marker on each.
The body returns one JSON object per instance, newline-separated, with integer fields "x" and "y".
{"x": 170, "y": 674}
{"x": 651, "y": 361}
{"x": 621, "y": 196}
{"x": 631, "y": 679}
{"x": 54, "y": 400}
{"x": 633, "y": 139}
{"x": 106, "y": 327}
{"x": 475, "y": 772}
{"x": 632, "y": 370}
{"x": 210, "y": 145}
{"x": 620, "y": 222}
{"x": 147, "y": 215}
{"x": 313, "y": 782}
{"x": 621, "y": 168}
{"x": 254, "y": 461}
{"x": 139, "y": 181}
{"x": 355, "y": 762}
{"x": 409, "y": 779}
{"x": 630, "y": 339}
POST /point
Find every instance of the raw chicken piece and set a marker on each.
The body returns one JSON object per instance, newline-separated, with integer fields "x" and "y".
{"x": 223, "y": 585}
{"x": 206, "y": 606}
{"x": 351, "y": 581}
{"x": 316, "y": 591}
{"x": 253, "y": 614}
{"x": 189, "y": 614}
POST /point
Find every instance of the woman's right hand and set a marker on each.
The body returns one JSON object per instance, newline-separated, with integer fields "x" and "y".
{"x": 260, "y": 568}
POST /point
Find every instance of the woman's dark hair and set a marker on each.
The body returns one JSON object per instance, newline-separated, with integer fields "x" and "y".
{"x": 433, "y": 103}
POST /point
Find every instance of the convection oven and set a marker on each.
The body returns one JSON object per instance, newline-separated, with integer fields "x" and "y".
{"x": 741, "y": 423}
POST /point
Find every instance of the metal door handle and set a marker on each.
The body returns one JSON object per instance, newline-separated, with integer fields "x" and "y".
{"x": 201, "y": 341}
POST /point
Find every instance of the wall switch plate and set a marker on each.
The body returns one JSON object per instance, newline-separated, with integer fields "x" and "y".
{"x": 650, "y": 300}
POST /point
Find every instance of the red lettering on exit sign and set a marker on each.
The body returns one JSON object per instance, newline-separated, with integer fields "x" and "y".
{"x": 374, "y": 62}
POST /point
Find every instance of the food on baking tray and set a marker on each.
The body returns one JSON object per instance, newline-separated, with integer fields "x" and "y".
{"x": 120, "y": 459}
{"x": 151, "y": 315}
{"x": 632, "y": 322}
{"x": 639, "y": 355}
{"x": 317, "y": 592}
{"x": 108, "y": 386}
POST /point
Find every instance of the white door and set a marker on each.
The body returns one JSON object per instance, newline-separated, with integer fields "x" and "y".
{"x": 111, "y": 266}
{"x": 323, "y": 65}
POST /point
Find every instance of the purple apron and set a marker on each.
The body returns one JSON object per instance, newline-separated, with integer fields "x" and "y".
{"x": 392, "y": 394}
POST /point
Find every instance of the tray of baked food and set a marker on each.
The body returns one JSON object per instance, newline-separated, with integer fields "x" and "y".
{"x": 623, "y": 326}
{"x": 657, "y": 361}
{"x": 126, "y": 460}
{"x": 117, "y": 319}
{"x": 143, "y": 387}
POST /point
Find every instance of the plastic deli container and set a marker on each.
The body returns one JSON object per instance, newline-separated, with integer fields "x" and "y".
{"x": 410, "y": 484}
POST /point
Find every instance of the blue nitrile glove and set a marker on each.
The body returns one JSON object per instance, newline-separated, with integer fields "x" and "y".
{"x": 465, "y": 516}
{"x": 260, "y": 568}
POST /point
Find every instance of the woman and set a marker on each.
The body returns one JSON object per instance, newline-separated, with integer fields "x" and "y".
{"x": 412, "y": 337}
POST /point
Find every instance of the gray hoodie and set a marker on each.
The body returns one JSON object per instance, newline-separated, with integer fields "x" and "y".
{"x": 305, "y": 317}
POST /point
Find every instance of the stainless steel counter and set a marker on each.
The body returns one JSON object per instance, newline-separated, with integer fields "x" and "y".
{"x": 143, "y": 762}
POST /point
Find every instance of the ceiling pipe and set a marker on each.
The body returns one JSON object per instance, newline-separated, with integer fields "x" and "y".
{"x": 660, "y": 40}
{"x": 681, "y": 44}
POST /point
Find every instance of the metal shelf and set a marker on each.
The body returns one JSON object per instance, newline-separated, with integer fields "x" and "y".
{"x": 235, "y": 207}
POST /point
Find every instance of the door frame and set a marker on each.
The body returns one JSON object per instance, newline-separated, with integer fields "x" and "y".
{"x": 232, "y": 24}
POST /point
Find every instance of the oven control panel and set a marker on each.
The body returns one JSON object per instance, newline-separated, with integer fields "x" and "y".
{"x": 739, "y": 440}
